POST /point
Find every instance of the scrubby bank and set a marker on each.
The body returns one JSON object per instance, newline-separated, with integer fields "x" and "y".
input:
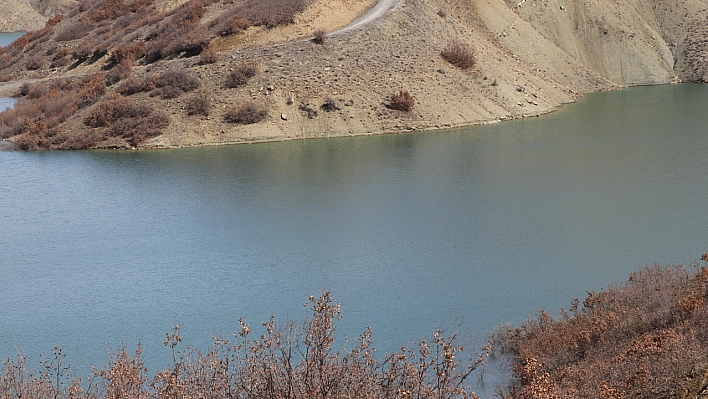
{"x": 647, "y": 338}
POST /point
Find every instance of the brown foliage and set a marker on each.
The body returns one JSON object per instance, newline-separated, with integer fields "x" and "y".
{"x": 198, "y": 104}
{"x": 126, "y": 119}
{"x": 459, "y": 55}
{"x": 402, "y": 101}
{"x": 134, "y": 85}
{"x": 172, "y": 84}
{"x": 74, "y": 31}
{"x": 118, "y": 73}
{"x": 36, "y": 117}
{"x": 642, "y": 339}
{"x": 246, "y": 114}
{"x": 126, "y": 53}
{"x": 33, "y": 63}
{"x": 319, "y": 36}
{"x": 283, "y": 361}
{"x": 271, "y": 13}
{"x": 241, "y": 74}
{"x": 208, "y": 56}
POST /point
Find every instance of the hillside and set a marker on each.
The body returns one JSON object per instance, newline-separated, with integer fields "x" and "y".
{"x": 529, "y": 58}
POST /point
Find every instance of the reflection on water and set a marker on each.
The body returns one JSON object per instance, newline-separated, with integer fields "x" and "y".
{"x": 411, "y": 232}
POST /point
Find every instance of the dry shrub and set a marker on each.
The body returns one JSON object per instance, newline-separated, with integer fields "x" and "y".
{"x": 459, "y": 55}
{"x": 284, "y": 360}
{"x": 241, "y": 74}
{"x": 119, "y": 72}
{"x": 208, "y": 56}
{"x": 319, "y": 36}
{"x": 35, "y": 119}
{"x": 62, "y": 53}
{"x": 172, "y": 84}
{"x": 179, "y": 32}
{"x": 126, "y": 53}
{"x": 33, "y": 63}
{"x": 330, "y": 104}
{"x": 271, "y": 13}
{"x": 402, "y": 101}
{"x": 5, "y": 78}
{"x": 60, "y": 63}
{"x": 643, "y": 339}
{"x": 246, "y": 114}
{"x": 134, "y": 85}
{"x": 126, "y": 119}
{"x": 198, "y": 104}
{"x": 73, "y": 31}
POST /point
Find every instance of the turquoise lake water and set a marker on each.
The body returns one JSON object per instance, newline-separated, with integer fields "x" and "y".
{"x": 411, "y": 232}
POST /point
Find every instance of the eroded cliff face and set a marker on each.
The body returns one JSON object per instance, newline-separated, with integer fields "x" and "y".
{"x": 28, "y": 15}
{"x": 629, "y": 42}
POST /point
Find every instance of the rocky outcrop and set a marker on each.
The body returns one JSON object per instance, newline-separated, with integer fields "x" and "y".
{"x": 28, "y": 15}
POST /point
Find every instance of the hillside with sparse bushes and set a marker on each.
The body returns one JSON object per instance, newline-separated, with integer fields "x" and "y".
{"x": 254, "y": 71}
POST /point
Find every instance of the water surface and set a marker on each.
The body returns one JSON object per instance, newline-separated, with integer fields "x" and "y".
{"x": 9, "y": 37}
{"x": 411, "y": 232}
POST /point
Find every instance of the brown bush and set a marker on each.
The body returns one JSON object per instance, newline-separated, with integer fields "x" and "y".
{"x": 284, "y": 360}
{"x": 172, "y": 84}
{"x": 35, "y": 119}
{"x": 459, "y": 55}
{"x": 208, "y": 56}
{"x": 319, "y": 36}
{"x": 330, "y": 104}
{"x": 60, "y": 62}
{"x": 61, "y": 53}
{"x": 271, "y": 13}
{"x": 128, "y": 120}
{"x": 119, "y": 72}
{"x": 402, "y": 101}
{"x": 198, "y": 104}
{"x": 73, "y": 31}
{"x": 33, "y": 63}
{"x": 135, "y": 85}
{"x": 127, "y": 53}
{"x": 246, "y": 114}
{"x": 241, "y": 74}
{"x": 643, "y": 339}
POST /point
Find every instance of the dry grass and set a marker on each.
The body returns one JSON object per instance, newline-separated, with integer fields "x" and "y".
{"x": 645, "y": 339}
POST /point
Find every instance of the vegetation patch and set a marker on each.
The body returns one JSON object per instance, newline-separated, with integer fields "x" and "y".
{"x": 246, "y": 114}
{"x": 241, "y": 74}
{"x": 645, "y": 339}
{"x": 402, "y": 101}
{"x": 282, "y": 360}
{"x": 459, "y": 55}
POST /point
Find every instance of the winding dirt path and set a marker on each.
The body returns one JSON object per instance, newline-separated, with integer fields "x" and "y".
{"x": 372, "y": 15}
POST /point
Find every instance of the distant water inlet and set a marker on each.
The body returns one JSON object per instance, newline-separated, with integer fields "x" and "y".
{"x": 410, "y": 232}
{"x": 9, "y": 37}
{"x": 6, "y": 103}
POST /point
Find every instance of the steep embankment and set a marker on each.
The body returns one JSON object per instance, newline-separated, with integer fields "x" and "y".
{"x": 27, "y": 15}
{"x": 531, "y": 56}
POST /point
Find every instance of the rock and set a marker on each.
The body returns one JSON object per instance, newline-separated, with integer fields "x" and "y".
{"x": 283, "y": 117}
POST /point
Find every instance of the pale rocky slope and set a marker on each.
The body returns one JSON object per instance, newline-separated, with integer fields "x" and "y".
{"x": 532, "y": 57}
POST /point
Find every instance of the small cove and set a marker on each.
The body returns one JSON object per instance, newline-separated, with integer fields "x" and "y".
{"x": 483, "y": 225}
{"x": 8, "y": 37}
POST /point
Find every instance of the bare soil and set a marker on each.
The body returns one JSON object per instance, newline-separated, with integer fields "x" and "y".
{"x": 532, "y": 56}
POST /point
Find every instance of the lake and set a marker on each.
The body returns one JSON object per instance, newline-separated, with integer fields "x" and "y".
{"x": 9, "y": 37}
{"x": 411, "y": 232}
